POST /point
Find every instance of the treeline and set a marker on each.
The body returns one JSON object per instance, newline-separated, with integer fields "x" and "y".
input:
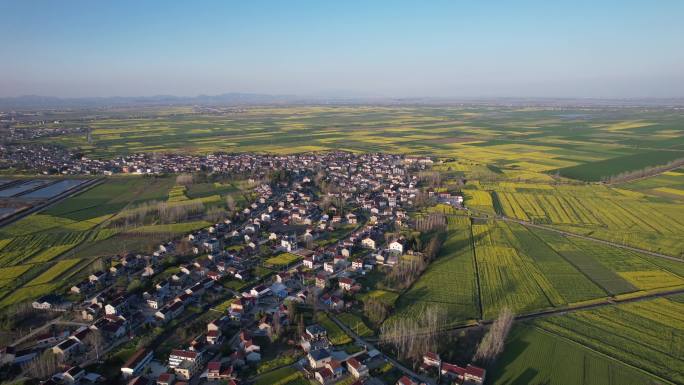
{"x": 493, "y": 342}
{"x": 408, "y": 271}
{"x": 156, "y": 211}
{"x": 412, "y": 336}
{"x": 376, "y": 310}
{"x": 644, "y": 172}
{"x": 432, "y": 222}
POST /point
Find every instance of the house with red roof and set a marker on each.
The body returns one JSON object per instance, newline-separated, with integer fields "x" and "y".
{"x": 324, "y": 376}
{"x": 404, "y": 380}
{"x": 356, "y": 368}
{"x": 166, "y": 379}
{"x": 345, "y": 283}
{"x": 217, "y": 371}
{"x": 474, "y": 375}
{"x": 431, "y": 359}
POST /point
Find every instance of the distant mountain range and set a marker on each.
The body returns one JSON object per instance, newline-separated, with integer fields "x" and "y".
{"x": 244, "y": 99}
{"x": 36, "y": 101}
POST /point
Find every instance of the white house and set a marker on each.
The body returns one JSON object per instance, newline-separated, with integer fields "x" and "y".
{"x": 368, "y": 243}
{"x": 396, "y": 247}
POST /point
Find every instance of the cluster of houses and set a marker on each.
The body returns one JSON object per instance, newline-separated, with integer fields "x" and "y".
{"x": 377, "y": 191}
{"x": 320, "y": 362}
{"x": 469, "y": 375}
{"x": 51, "y": 159}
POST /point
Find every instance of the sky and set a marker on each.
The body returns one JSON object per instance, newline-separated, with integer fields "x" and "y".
{"x": 373, "y": 48}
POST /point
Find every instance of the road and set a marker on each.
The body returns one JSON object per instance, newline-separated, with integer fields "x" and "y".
{"x": 42, "y": 328}
{"x": 370, "y": 346}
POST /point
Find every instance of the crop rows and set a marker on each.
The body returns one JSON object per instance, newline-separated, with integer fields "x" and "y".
{"x": 54, "y": 272}
{"x": 449, "y": 282}
{"x": 533, "y": 356}
{"x": 506, "y": 279}
{"x": 648, "y": 335}
{"x": 571, "y": 284}
{"x": 644, "y": 272}
{"x": 587, "y": 263}
{"x": 613, "y": 214}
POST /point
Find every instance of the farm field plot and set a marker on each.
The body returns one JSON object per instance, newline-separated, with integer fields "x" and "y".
{"x": 534, "y": 356}
{"x": 54, "y": 189}
{"x": 528, "y": 269}
{"x": 668, "y": 185}
{"x": 283, "y": 376}
{"x": 355, "y": 324}
{"x": 449, "y": 282}
{"x": 384, "y": 296}
{"x": 44, "y": 283}
{"x": 648, "y": 335}
{"x": 616, "y": 270}
{"x": 283, "y": 259}
{"x": 506, "y": 277}
{"x": 589, "y": 263}
{"x": 641, "y": 270}
{"x": 520, "y": 143}
{"x": 571, "y": 284}
{"x": 618, "y": 215}
{"x": 111, "y": 196}
{"x": 177, "y": 193}
{"x": 336, "y": 335}
{"x": 173, "y": 228}
{"x": 90, "y": 225}
{"x": 22, "y": 187}
{"x": 595, "y": 171}
{"x": 479, "y": 200}
{"x": 12, "y": 272}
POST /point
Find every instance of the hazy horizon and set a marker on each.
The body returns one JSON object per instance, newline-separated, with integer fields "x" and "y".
{"x": 534, "y": 49}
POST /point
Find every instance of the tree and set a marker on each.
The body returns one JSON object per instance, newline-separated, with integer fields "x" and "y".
{"x": 291, "y": 309}
{"x": 300, "y": 326}
{"x": 43, "y": 366}
{"x": 230, "y": 203}
{"x": 277, "y": 327}
{"x": 493, "y": 342}
{"x": 413, "y": 336}
{"x": 184, "y": 179}
{"x": 94, "y": 341}
{"x": 375, "y": 310}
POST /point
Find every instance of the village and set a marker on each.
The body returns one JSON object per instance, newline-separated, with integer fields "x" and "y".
{"x": 260, "y": 290}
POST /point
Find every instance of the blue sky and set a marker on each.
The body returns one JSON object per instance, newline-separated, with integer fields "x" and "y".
{"x": 343, "y": 48}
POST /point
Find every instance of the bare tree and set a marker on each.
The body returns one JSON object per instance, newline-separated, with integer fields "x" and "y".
{"x": 375, "y": 310}
{"x": 43, "y": 366}
{"x": 493, "y": 342}
{"x": 230, "y": 203}
{"x": 215, "y": 214}
{"x": 413, "y": 336}
{"x": 277, "y": 327}
{"x": 434, "y": 221}
{"x": 184, "y": 179}
{"x": 644, "y": 172}
{"x": 95, "y": 342}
